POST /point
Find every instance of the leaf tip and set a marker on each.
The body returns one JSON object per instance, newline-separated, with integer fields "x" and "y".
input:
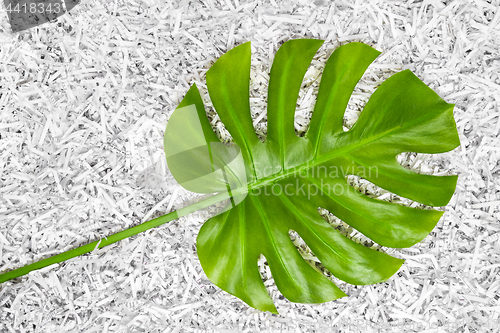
{"x": 456, "y": 138}
{"x": 274, "y": 311}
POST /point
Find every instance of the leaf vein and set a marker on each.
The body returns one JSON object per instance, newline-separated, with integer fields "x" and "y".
{"x": 265, "y": 221}
{"x": 287, "y": 202}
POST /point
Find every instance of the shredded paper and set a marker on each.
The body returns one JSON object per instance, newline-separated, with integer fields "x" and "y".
{"x": 84, "y": 101}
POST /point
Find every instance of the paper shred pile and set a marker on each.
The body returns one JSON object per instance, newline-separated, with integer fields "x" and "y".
{"x": 84, "y": 102}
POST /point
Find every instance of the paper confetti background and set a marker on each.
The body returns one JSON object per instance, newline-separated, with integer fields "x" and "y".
{"x": 84, "y": 102}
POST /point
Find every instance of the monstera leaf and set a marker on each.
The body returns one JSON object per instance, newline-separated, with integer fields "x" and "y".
{"x": 278, "y": 185}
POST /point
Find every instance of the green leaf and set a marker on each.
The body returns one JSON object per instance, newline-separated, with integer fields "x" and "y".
{"x": 281, "y": 183}
{"x": 190, "y": 141}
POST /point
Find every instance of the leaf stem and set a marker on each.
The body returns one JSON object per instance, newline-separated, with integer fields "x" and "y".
{"x": 113, "y": 238}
